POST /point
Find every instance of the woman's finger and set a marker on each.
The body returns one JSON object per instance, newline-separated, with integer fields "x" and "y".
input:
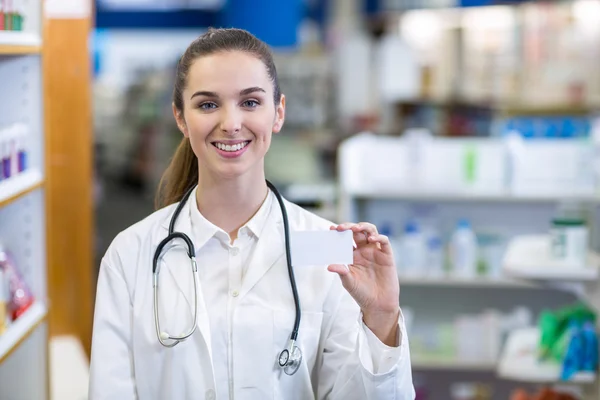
{"x": 370, "y": 229}
{"x": 382, "y": 241}
{"x": 344, "y": 272}
{"x": 345, "y": 226}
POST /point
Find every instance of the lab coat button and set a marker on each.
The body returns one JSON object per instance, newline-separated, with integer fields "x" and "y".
{"x": 235, "y": 293}
{"x": 235, "y": 251}
{"x": 210, "y": 395}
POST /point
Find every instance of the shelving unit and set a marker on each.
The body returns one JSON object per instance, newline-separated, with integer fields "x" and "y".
{"x": 13, "y": 189}
{"x": 452, "y": 364}
{"x": 523, "y": 275}
{"x": 519, "y": 362}
{"x": 19, "y": 43}
{"x": 468, "y": 196}
{"x": 24, "y": 346}
{"x": 21, "y": 329}
{"x": 459, "y": 282}
{"x": 528, "y": 257}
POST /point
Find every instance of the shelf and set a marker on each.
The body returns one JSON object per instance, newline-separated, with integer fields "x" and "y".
{"x": 518, "y": 361}
{"x": 528, "y": 257}
{"x": 498, "y": 196}
{"x": 459, "y": 282}
{"x": 13, "y": 188}
{"x": 452, "y": 364}
{"x": 19, "y": 43}
{"x": 21, "y": 329}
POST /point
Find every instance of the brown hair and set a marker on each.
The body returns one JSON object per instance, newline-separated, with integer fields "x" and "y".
{"x": 182, "y": 173}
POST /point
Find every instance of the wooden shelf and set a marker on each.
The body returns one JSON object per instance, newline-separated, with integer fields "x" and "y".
{"x": 17, "y": 43}
{"x": 21, "y": 329}
{"x": 18, "y": 186}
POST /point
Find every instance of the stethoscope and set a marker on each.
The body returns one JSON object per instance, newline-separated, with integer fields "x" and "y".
{"x": 290, "y": 358}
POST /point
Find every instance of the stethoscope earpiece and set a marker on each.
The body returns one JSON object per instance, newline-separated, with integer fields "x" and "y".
{"x": 164, "y": 336}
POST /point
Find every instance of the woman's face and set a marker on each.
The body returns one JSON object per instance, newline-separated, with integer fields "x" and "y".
{"x": 229, "y": 114}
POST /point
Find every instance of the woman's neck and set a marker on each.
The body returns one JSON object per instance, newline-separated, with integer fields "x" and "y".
{"x": 229, "y": 204}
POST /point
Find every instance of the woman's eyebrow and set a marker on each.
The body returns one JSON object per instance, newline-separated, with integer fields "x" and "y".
{"x": 205, "y": 93}
{"x": 216, "y": 96}
{"x": 252, "y": 90}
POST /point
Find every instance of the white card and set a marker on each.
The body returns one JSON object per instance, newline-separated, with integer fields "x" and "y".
{"x": 321, "y": 248}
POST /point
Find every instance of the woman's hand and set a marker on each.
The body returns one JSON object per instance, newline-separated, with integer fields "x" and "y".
{"x": 372, "y": 280}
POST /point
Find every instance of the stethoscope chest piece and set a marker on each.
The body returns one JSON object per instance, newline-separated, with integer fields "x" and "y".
{"x": 290, "y": 358}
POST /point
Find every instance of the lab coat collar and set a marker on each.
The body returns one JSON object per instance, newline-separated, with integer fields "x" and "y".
{"x": 203, "y": 230}
{"x": 269, "y": 249}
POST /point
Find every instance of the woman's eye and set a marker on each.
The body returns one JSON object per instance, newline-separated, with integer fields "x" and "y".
{"x": 207, "y": 106}
{"x": 250, "y": 103}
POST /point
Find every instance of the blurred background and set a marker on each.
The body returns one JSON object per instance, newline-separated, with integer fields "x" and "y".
{"x": 468, "y": 131}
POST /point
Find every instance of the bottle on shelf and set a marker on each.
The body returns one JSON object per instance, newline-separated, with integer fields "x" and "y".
{"x": 412, "y": 250}
{"x": 463, "y": 250}
{"x": 2, "y": 16}
{"x": 5, "y": 153}
{"x": 4, "y": 298}
{"x": 435, "y": 256}
{"x": 8, "y": 12}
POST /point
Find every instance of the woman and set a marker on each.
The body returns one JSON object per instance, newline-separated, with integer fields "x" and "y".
{"x": 227, "y": 103}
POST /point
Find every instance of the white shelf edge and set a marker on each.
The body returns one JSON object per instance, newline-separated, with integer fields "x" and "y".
{"x": 454, "y": 364}
{"x": 527, "y": 257}
{"x": 525, "y": 368}
{"x": 8, "y": 38}
{"x": 20, "y": 183}
{"x": 460, "y": 282}
{"x": 474, "y": 195}
{"x": 21, "y": 328}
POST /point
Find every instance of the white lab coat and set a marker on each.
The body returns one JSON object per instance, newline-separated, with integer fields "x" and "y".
{"x": 128, "y": 362}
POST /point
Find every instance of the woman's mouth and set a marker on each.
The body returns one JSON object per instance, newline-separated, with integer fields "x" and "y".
{"x": 229, "y": 150}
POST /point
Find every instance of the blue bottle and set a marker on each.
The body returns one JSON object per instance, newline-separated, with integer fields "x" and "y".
{"x": 590, "y": 347}
{"x": 573, "y": 361}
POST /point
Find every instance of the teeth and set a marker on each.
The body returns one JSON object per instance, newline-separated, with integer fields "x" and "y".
{"x": 235, "y": 147}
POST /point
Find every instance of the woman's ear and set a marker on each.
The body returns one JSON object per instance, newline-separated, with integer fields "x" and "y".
{"x": 279, "y": 115}
{"x": 180, "y": 120}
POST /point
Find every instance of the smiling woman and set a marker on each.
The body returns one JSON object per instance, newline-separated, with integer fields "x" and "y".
{"x": 348, "y": 339}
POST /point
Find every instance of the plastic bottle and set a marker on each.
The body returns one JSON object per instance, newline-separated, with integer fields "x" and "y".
{"x": 463, "y": 247}
{"x": 590, "y": 353}
{"x": 5, "y": 153}
{"x": 573, "y": 359}
{"x": 22, "y": 147}
{"x": 412, "y": 250}
{"x": 435, "y": 256}
{"x": 4, "y": 298}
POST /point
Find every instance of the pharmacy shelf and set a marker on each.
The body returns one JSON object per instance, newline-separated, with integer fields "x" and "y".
{"x": 452, "y": 364}
{"x": 499, "y": 196}
{"x": 529, "y": 257}
{"x": 519, "y": 362}
{"x": 19, "y": 43}
{"x": 18, "y": 186}
{"x": 21, "y": 328}
{"x": 460, "y": 282}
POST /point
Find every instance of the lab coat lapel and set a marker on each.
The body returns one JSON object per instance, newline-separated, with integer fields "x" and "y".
{"x": 269, "y": 249}
{"x": 179, "y": 270}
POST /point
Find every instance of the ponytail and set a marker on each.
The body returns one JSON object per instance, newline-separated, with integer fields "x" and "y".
{"x": 180, "y": 176}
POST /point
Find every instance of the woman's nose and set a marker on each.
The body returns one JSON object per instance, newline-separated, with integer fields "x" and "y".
{"x": 231, "y": 121}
